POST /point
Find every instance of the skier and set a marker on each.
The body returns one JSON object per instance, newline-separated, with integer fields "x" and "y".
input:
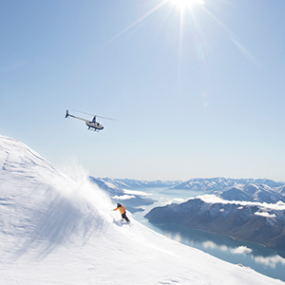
{"x": 122, "y": 210}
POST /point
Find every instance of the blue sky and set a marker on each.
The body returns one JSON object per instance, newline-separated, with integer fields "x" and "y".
{"x": 196, "y": 91}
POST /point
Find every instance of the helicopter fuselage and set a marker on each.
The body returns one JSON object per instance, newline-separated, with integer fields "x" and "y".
{"x": 94, "y": 125}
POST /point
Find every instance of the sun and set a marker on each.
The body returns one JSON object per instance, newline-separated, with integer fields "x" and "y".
{"x": 183, "y": 4}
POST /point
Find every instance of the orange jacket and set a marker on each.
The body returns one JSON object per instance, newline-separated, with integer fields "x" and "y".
{"x": 122, "y": 209}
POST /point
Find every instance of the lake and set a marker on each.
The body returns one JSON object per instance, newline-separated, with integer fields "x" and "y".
{"x": 267, "y": 261}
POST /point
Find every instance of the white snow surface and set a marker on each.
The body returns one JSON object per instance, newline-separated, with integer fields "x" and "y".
{"x": 58, "y": 230}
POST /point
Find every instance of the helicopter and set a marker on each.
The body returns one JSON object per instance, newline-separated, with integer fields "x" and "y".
{"x": 92, "y": 125}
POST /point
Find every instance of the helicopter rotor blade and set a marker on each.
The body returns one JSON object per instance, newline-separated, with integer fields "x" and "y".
{"x": 83, "y": 112}
{"x": 95, "y": 115}
{"x": 105, "y": 118}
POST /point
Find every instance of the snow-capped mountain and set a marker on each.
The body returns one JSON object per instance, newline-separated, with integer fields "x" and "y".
{"x": 138, "y": 184}
{"x": 255, "y": 193}
{"x": 58, "y": 230}
{"x": 255, "y": 221}
{"x": 219, "y": 184}
{"x": 107, "y": 186}
{"x": 207, "y": 185}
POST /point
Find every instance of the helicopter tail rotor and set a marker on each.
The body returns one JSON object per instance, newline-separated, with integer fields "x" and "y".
{"x": 67, "y": 114}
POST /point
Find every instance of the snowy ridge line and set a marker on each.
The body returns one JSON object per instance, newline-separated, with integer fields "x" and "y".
{"x": 210, "y": 185}
{"x": 213, "y": 199}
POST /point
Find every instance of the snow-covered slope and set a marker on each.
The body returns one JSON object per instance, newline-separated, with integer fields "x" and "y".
{"x": 54, "y": 230}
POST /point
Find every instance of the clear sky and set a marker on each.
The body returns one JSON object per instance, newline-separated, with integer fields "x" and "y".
{"x": 197, "y": 88}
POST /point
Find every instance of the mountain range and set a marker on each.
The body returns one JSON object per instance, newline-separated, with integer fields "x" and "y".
{"x": 254, "y": 192}
{"x": 139, "y": 184}
{"x": 253, "y": 213}
{"x": 211, "y": 185}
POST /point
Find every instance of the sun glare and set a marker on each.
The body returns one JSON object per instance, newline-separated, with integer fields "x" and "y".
{"x": 183, "y": 4}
